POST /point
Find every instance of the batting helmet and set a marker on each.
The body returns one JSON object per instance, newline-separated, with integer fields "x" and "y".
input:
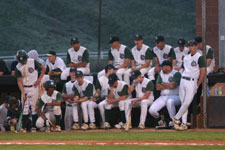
{"x": 21, "y": 56}
{"x": 49, "y": 84}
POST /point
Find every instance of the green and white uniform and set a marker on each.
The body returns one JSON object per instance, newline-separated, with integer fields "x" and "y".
{"x": 140, "y": 57}
{"x": 79, "y": 56}
{"x": 86, "y": 89}
{"x": 188, "y": 86}
{"x": 141, "y": 89}
{"x": 169, "y": 97}
{"x": 209, "y": 55}
{"x": 180, "y": 55}
{"x": 29, "y": 74}
{"x": 71, "y": 109}
{"x": 52, "y": 113}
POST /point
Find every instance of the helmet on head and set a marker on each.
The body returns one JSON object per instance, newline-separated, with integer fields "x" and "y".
{"x": 21, "y": 56}
{"x": 49, "y": 84}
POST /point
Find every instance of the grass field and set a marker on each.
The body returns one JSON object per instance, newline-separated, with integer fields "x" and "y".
{"x": 114, "y": 136}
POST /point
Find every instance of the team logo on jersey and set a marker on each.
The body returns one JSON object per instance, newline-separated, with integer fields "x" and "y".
{"x": 30, "y": 70}
{"x": 142, "y": 57}
{"x": 122, "y": 56}
{"x": 79, "y": 58}
{"x": 170, "y": 79}
{"x": 193, "y": 63}
{"x": 143, "y": 90}
{"x": 165, "y": 56}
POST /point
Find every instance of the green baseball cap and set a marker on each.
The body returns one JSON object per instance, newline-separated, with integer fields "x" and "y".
{"x": 79, "y": 74}
{"x": 112, "y": 78}
{"x": 135, "y": 74}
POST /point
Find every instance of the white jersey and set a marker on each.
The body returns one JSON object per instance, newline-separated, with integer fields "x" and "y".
{"x": 49, "y": 99}
{"x": 118, "y": 55}
{"x": 167, "y": 78}
{"x": 213, "y": 62}
{"x": 180, "y": 55}
{"x": 59, "y": 63}
{"x": 139, "y": 55}
{"x": 103, "y": 80}
{"x": 3, "y": 114}
{"x": 76, "y": 56}
{"x": 82, "y": 88}
{"x": 191, "y": 66}
{"x": 69, "y": 88}
{"x": 119, "y": 88}
{"x": 140, "y": 89}
{"x": 162, "y": 54}
{"x": 28, "y": 72}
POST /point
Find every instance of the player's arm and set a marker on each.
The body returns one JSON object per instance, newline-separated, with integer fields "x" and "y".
{"x": 110, "y": 57}
{"x": 172, "y": 57}
{"x": 202, "y": 66}
{"x": 57, "y": 102}
{"x": 40, "y": 68}
{"x": 18, "y": 75}
{"x": 127, "y": 59}
{"x": 159, "y": 84}
{"x": 88, "y": 93}
{"x": 85, "y": 60}
{"x": 131, "y": 88}
{"x": 148, "y": 57}
{"x": 149, "y": 90}
{"x": 209, "y": 57}
{"x": 123, "y": 95}
{"x": 40, "y": 109}
{"x": 175, "y": 82}
{"x": 98, "y": 90}
{"x": 157, "y": 67}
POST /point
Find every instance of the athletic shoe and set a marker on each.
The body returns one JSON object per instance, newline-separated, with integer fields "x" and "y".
{"x": 161, "y": 123}
{"x": 119, "y": 125}
{"x": 107, "y": 125}
{"x": 141, "y": 126}
{"x": 75, "y": 126}
{"x": 33, "y": 130}
{"x": 175, "y": 121}
{"x": 92, "y": 126}
{"x": 58, "y": 128}
{"x": 183, "y": 127}
{"x": 124, "y": 126}
{"x": 171, "y": 124}
{"x": 47, "y": 129}
{"x": 84, "y": 126}
{"x": 188, "y": 124}
{"x": 23, "y": 130}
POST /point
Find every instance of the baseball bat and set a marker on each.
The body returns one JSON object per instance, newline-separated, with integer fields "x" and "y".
{"x": 129, "y": 118}
{"x": 19, "y": 124}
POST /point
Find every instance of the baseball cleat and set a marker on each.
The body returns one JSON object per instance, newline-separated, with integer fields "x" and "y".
{"x": 84, "y": 126}
{"x": 176, "y": 121}
{"x": 161, "y": 123}
{"x": 47, "y": 129}
{"x": 58, "y": 128}
{"x": 107, "y": 125}
{"x": 141, "y": 126}
{"x": 33, "y": 130}
{"x": 119, "y": 125}
{"x": 188, "y": 124}
{"x": 75, "y": 126}
{"x": 183, "y": 127}
{"x": 23, "y": 130}
{"x": 92, "y": 126}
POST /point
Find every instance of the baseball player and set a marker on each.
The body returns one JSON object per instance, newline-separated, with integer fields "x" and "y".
{"x": 161, "y": 52}
{"x": 78, "y": 57}
{"x": 54, "y": 63}
{"x": 193, "y": 75}
{"x": 49, "y": 108}
{"x": 83, "y": 92}
{"x": 116, "y": 98}
{"x": 34, "y": 54}
{"x": 180, "y": 52}
{"x": 168, "y": 83}
{"x": 210, "y": 60}
{"x": 13, "y": 113}
{"x": 102, "y": 88}
{"x": 119, "y": 55}
{"x": 144, "y": 96}
{"x": 3, "y": 112}
{"x": 140, "y": 58}
{"x": 28, "y": 82}
{"x": 67, "y": 95}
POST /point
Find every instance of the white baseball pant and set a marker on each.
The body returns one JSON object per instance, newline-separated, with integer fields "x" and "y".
{"x": 144, "y": 108}
{"x": 151, "y": 74}
{"x": 91, "y": 110}
{"x": 71, "y": 115}
{"x": 188, "y": 89}
{"x": 127, "y": 74}
{"x": 120, "y": 73}
{"x": 32, "y": 99}
{"x": 169, "y": 101}
{"x": 101, "y": 107}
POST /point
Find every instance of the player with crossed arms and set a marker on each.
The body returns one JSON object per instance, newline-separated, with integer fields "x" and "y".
{"x": 144, "y": 96}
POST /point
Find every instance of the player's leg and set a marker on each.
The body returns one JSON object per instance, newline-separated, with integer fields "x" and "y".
{"x": 101, "y": 73}
{"x": 144, "y": 71}
{"x": 57, "y": 115}
{"x": 101, "y": 107}
{"x": 68, "y": 118}
{"x": 84, "y": 106}
{"x": 86, "y": 71}
{"x": 121, "y": 105}
{"x": 157, "y": 105}
{"x": 127, "y": 75}
{"x": 26, "y": 109}
{"x": 33, "y": 96}
{"x": 151, "y": 74}
{"x": 41, "y": 123}
{"x": 171, "y": 104}
{"x": 144, "y": 109}
{"x": 91, "y": 112}
{"x": 120, "y": 73}
{"x": 75, "y": 117}
{"x": 108, "y": 108}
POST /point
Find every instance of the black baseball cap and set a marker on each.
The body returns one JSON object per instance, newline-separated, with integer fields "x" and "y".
{"x": 114, "y": 39}
{"x": 192, "y": 43}
{"x": 109, "y": 66}
{"x": 166, "y": 63}
{"x": 79, "y": 74}
{"x": 181, "y": 42}
{"x": 51, "y": 53}
{"x": 198, "y": 39}
{"x": 159, "y": 38}
{"x": 73, "y": 69}
{"x": 74, "y": 40}
{"x": 138, "y": 37}
{"x": 112, "y": 78}
{"x": 135, "y": 74}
